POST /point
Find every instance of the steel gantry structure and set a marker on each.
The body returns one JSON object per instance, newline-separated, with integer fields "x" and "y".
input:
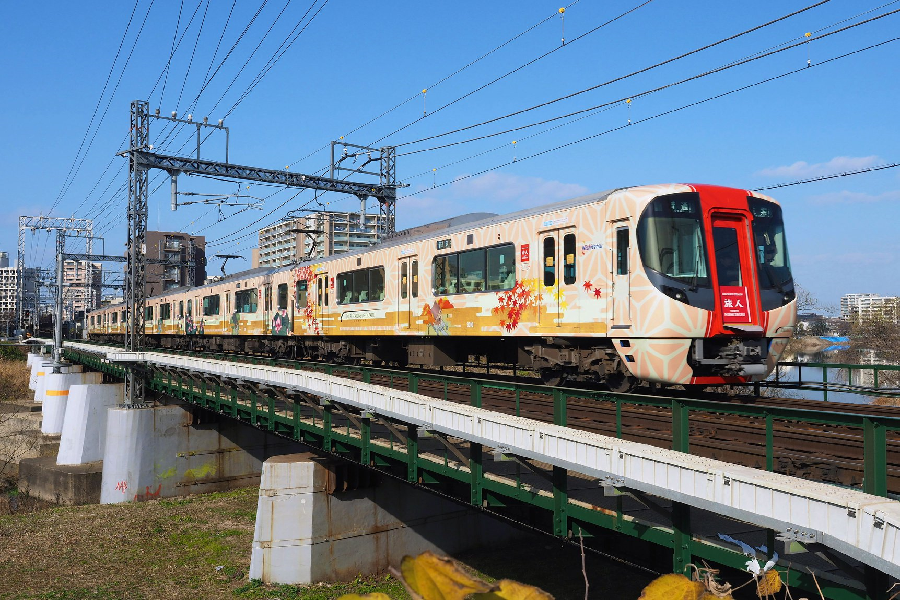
{"x": 141, "y": 159}
{"x": 64, "y": 226}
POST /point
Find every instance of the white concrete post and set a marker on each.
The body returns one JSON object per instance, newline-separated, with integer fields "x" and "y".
{"x": 56, "y": 395}
{"x": 84, "y": 426}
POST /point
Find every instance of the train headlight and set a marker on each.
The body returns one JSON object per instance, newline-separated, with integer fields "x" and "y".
{"x": 675, "y": 293}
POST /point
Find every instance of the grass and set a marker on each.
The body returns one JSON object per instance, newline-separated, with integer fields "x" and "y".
{"x": 199, "y": 547}
{"x": 13, "y": 379}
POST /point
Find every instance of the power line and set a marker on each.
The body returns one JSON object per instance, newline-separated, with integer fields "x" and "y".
{"x": 517, "y": 69}
{"x": 730, "y": 65}
{"x": 824, "y": 177}
{"x": 617, "y": 79}
{"x": 67, "y": 182}
{"x": 172, "y": 51}
{"x": 445, "y": 78}
{"x": 658, "y": 115}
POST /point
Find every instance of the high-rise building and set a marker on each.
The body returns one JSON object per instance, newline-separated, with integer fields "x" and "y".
{"x": 861, "y": 307}
{"x": 9, "y": 292}
{"x": 317, "y": 235}
{"x": 185, "y": 257}
{"x": 81, "y": 287}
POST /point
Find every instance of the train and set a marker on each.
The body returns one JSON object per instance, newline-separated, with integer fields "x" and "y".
{"x": 660, "y": 285}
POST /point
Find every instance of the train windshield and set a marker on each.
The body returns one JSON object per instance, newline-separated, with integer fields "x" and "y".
{"x": 671, "y": 241}
{"x": 772, "y": 264}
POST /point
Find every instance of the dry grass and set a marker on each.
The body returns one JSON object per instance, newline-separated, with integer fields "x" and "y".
{"x": 13, "y": 380}
{"x": 158, "y": 549}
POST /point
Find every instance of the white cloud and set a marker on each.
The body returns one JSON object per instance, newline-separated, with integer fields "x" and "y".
{"x": 838, "y": 164}
{"x": 520, "y": 191}
{"x": 492, "y": 192}
{"x": 846, "y": 197}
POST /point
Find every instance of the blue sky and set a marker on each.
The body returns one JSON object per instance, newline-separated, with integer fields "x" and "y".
{"x": 357, "y": 60}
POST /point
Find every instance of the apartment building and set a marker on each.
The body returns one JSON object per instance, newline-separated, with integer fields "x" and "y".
{"x": 859, "y": 307}
{"x": 317, "y": 235}
{"x": 185, "y": 261}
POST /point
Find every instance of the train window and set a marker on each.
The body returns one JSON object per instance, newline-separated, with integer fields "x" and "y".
{"x": 363, "y": 285}
{"x": 122, "y": 318}
{"x": 471, "y": 270}
{"x": 622, "y": 245}
{"x": 245, "y": 300}
{"x": 728, "y": 255}
{"x": 403, "y": 280}
{"x": 415, "y": 278}
{"x": 181, "y": 309}
{"x": 360, "y": 292}
{"x": 569, "y": 258}
{"x": 321, "y": 289}
{"x": 501, "y": 267}
{"x": 210, "y": 305}
{"x": 282, "y": 296}
{"x": 267, "y": 298}
{"x": 190, "y": 312}
{"x": 165, "y": 311}
{"x": 300, "y": 291}
{"x": 148, "y": 313}
{"x": 376, "y": 284}
{"x": 444, "y": 274}
{"x": 670, "y": 238}
{"x": 115, "y": 318}
{"x": 773, "y": 266}
{"x": 549, "y": 261}
{"x": 92, "y": 320}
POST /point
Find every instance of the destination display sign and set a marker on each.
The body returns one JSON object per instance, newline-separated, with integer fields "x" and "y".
{"x": 735, "y": 304}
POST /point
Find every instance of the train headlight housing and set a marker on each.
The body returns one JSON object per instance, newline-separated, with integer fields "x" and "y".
{"x": 675, "y": 293}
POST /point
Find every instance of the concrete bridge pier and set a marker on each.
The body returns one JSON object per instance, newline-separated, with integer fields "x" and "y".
{"x": 307, "y": 532}
{"x": 83, "y": 436}
{"x": 170, "y": 450}
{"x": 57, "y": 388}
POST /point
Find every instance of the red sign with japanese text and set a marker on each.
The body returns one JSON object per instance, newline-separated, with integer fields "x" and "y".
{"x": 524, "y": 253}
{"x": 735, "y": 304}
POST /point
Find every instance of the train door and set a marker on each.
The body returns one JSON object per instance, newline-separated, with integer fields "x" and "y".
{"x": 322, "y": 300}
{"x": 408, "y": 291}
{"x": 267, "y": 309}
{"x": 620, "y": 245}
{"x": 559, "y": 274}
{"x": 283, "y": 315}
{"x": 733, "y": 258}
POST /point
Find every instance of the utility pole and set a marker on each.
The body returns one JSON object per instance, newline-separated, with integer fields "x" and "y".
{"x": 136, "y": 246}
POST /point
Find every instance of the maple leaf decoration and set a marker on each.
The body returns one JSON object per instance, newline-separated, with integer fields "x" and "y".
{"x": 512, "y": 303}
{"x": 597, "y": 292}
{"x": 587, "y": 285}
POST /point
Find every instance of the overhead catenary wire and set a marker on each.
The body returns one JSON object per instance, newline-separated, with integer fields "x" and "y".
{"x": 829, "y": 176}
{"x": 443, "y": 80}
{"x": 73, "y": 170}
{"x": 644, "y": 93}
{"x": 754, "y": 57}
{"x": 661, "y": 114}
{"x": 517, "y": 69}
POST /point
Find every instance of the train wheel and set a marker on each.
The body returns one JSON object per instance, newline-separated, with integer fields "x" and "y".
{"x": 553, "y": 377}
{"x": 620, "y": 383}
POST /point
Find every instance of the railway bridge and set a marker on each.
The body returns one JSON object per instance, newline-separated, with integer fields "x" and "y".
{"x": 815, "y": 482}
